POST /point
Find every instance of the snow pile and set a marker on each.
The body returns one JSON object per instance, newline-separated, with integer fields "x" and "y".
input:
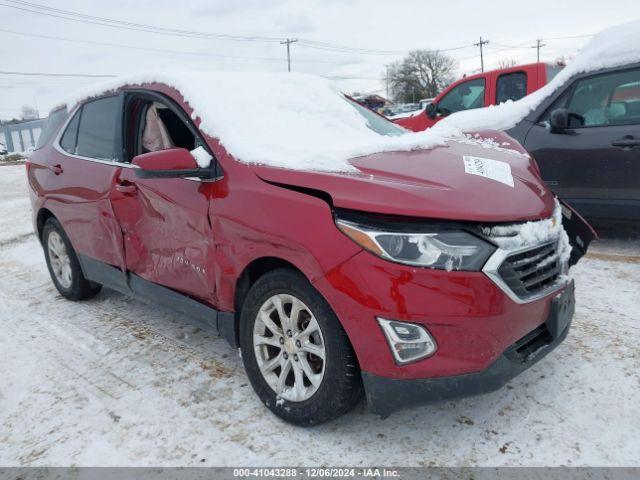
{"x": 513, "y": 237}
{"x": 201, "y": 156}
{"x": 612, "y": 47}
{"x": 287, "y": 120}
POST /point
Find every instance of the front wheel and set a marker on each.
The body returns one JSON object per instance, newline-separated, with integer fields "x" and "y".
{"x": 296, "y": 353}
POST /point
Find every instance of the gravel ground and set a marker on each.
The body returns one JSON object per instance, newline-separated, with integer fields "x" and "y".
{"x": 113, "y": 381}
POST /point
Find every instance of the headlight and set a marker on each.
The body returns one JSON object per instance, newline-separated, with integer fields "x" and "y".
{"x": 440, "y": 248}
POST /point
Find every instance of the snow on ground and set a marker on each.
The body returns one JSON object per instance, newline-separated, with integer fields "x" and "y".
{"x": 113, "y": 381}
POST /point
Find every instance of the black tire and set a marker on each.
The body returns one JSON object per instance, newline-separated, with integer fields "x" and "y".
{"x": 341, "y": 386}
{"x": 80, "y": 288}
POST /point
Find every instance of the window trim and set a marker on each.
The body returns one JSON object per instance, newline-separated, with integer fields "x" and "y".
{"x": 118, "y": 137}
{"x": 526, "y": 83}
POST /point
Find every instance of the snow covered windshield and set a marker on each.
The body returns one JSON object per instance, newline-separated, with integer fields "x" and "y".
{"x": 376, "y": 122}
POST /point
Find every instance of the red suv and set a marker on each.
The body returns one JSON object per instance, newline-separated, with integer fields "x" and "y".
{"x": 418, "y": 275}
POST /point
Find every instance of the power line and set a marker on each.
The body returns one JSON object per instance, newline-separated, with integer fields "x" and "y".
{"x": 145, "y": 28}
{"x": 163, "y": 50}
{"x": 87, "y": 75}
{"x": 109, "y": 22}
{"x": 47, "y": 74}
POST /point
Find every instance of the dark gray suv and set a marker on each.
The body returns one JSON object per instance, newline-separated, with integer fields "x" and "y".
{"x": 586, "y": 140}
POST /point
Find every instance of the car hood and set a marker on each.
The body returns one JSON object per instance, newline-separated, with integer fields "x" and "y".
{"x": 433, "y": 183}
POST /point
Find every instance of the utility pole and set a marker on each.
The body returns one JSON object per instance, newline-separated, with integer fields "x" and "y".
{"x": 288, "y": 42}
{"x": 480, "y": 44}
{"x": 538, "y": 46}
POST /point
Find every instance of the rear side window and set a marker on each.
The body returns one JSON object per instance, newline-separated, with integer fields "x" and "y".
{"x": 70, "y": 137}
{"x": 97, "y": 130}
{"x": 51, "y": 126}
{"x": 511, "y": 86}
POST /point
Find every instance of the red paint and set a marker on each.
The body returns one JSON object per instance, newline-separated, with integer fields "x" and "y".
{"x": 169, "y": 159}
{"x": 198, "y": 237}
{"x": 537, "y": 77}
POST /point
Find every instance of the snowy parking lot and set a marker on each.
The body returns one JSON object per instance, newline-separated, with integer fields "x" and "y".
{"x": 113, "y": 381}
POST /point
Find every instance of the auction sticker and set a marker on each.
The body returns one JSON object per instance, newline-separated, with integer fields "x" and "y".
{"x": 485, "y": 167}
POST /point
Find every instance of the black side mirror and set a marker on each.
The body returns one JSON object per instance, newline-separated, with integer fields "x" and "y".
{"x": 432, "y": 110}
{"x": 559, "y": 120}
{"x": 562, "y": 119}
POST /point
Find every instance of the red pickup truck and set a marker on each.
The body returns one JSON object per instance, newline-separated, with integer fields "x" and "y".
{"x": 482, "y": 90}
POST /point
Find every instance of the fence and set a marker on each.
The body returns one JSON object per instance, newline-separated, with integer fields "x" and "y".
{"x": 20, "y": 137}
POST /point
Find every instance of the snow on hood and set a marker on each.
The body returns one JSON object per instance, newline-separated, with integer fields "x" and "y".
{"x": 612, "y": 47}
{"x": 288, "y": 120}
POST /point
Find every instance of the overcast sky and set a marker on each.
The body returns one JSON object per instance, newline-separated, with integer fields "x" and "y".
{"x": 378, "y": 25}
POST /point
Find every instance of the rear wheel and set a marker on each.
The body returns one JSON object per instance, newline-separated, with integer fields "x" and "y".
{"x": 296, "y": 354}
{"x": 63, "y": 264}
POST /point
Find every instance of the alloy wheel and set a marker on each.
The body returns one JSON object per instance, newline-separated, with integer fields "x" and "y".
{"x": 289, "y": 347}
{"x": 59, "y": 259}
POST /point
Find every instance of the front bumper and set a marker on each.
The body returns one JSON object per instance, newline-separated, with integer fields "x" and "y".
{"x": 386, "y": 395}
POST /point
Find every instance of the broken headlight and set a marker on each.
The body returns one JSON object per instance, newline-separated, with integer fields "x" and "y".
{"x": 442, "y": 249}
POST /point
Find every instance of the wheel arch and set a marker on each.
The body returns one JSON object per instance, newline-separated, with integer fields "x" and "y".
{"x": 43, "y": 215}
{"x": 252, "y": 272}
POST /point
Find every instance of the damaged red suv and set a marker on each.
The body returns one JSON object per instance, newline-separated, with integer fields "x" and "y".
{"x": 341, "y": 254}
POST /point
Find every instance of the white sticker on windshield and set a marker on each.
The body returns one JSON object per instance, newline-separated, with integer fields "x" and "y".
{"x": 485, "y": 167}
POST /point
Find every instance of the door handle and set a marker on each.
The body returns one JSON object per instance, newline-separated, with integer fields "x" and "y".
{"x": 628, "y": 141}
{"x": 56, "y": 169}
{"x": 126, "y": 188}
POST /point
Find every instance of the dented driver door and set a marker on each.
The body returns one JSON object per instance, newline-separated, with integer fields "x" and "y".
{"x": 166, "y": 231}
{"x": 165, "y": 223}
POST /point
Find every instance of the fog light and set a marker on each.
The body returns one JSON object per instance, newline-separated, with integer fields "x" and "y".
{"x": 409, "y": 342}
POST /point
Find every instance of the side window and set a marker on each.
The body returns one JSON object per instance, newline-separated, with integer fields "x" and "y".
{"x": 511, "y": 86}
{"x": 153, "y": 126}
{"x": 607, "y": 99}
{"x": 624, "y": 108}
{"x": 97, "y": 129}
{"x": 70, "y": 136}
{"x": 465, "y": 96}
{"x": 52, "y": 125}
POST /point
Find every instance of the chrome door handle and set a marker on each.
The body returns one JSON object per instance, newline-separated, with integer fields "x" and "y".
{"x": 127, "y": 188}
{"x": 56, "y": 169}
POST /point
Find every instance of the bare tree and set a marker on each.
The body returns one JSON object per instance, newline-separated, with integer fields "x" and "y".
{"x": 421, "y": 74}
{"x": 28, "y": 112}
{"x": 507, "y": 63}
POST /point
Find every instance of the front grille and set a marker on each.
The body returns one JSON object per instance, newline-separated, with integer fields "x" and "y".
{"x": 530, "y": 272}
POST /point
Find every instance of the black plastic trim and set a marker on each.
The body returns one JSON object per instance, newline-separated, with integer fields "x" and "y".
{"x": 203, "y": 316}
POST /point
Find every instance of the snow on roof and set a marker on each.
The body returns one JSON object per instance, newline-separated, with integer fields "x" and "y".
{"x": 288, "y": 120}
{"x": 612, "y": 47}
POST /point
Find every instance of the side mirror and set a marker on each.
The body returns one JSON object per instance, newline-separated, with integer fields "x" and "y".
{"x": 559, "y": 120}
{"x": 169, "y": 163}
{"x": 432, "y": 110}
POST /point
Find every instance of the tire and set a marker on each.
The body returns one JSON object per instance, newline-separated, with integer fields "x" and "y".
{"x": 68, "y": 279}
{"x": 340, "y": 386}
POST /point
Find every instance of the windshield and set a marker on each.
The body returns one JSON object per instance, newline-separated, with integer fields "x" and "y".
{"x": 378, "y": 123}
